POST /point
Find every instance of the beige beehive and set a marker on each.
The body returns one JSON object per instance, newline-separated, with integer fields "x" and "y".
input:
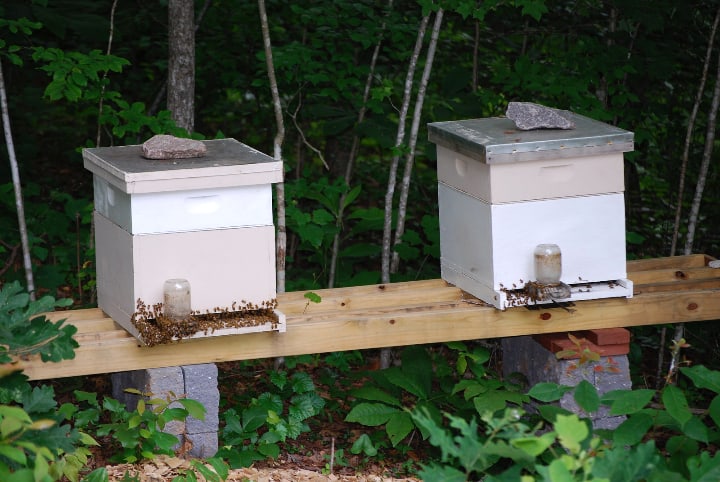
{"x": 208, "y": 220}
{"x": 503, "y": 191}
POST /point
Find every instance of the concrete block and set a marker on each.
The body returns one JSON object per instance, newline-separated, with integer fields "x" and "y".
{"x": 201, "y": 385}
{"x": 198, "y": 382}
{"x": 538, "y": 364}
{"x": 202, "y": 445}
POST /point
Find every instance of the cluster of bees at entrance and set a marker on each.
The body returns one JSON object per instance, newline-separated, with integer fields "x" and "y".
{"x": 156, "y": 329}
{"x": 533, "y": 292}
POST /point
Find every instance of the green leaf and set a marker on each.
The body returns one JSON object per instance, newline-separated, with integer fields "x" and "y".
{"x": 194, "y": 408}
{"x": 587, "y": 397}
{"x": 632, "y": 430}
{"x": 704, "y": 468}
{"x": 13, "y": 453}
{"x": 714, "y": 410}
{"x": 363, "y": 444}
{"x": 371, "y": 414}
{"x": 571, "y": 432}
{"x": 630, "y": 401}
{"x": 548, "y": 392}
{"x": 702, "y": 377}
{"x": 534, "y": 445}
{"x": 312, "y": 297}
{"x": 407, "y": 381}
{"x": 398, "y": 427}
{"x": 676, "y": 404}
{"x": 697, "y": 430}
{"x": 436, "y": 473}
{"x": 376, "y": 395}
{"x": 40, "y": 400}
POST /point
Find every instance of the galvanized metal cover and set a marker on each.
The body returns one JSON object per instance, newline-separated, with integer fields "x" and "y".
{"x": 227, "y": 160}
{"x": 496, "y": 139}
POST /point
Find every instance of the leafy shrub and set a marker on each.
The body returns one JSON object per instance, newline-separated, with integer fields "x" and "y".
{"x": 429, "y": 385}
{"x": 255, "y": 432}
{"x": 565, "y": 447}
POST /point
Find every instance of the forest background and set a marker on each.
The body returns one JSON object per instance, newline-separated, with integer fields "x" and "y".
{"x": 86, "y": 73}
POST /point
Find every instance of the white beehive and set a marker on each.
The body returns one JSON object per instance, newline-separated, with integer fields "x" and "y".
{"x": 503, "y": 191}
{"x": 208, "y": 220}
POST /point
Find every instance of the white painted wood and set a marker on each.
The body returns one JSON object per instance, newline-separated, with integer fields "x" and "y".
{"x": 488, "y": 247}
{"x": 223, "y": 266}
{"x": 189, "y": 210}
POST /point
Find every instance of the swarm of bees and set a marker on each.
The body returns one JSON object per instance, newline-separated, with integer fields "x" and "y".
{"x": 155, "y": 328}
{"x": 533, "y": 292}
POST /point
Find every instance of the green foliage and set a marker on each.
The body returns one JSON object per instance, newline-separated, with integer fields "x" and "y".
{"x": 25, "y": 331}
{"x": 35, "y": 444}
{"x": 139, "y": 432}
{"x": 565, "y": 447}
{"x": 390, "y": 395}
{"x": 256, "y": 431}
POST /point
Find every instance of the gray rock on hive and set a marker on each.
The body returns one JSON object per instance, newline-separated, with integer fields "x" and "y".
{"x": 528, "y": 116}
{"x": 163, "y": 146}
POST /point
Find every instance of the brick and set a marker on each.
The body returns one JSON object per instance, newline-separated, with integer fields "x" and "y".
{"x": 557, "y": 342}
{"x": 608, "y": 336}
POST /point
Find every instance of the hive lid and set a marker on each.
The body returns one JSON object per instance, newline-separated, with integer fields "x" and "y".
{"x": 496, "y": 140}
{"x": 228, "y": 163}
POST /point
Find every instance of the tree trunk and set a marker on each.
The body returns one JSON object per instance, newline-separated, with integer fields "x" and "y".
{"x": 281, "y": 246}
{"x": 19, "y": 206}
{"x": 695, "y": 211}
{"x": 417, "y": 116}
{"x": 680, "y": 329}
{"x": 399, "y": 140}
{"x": 181, "y": 63}
{"x": 688, "y": 134}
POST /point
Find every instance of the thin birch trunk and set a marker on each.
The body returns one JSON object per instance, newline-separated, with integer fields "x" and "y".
{"x": 19, "y": 206}
{"x": 688, "y": 134}
{"x": 385, "y": 353}
{"x": 399, "y": 140}
{"x": 704, "y": 166}
{"x": 281, "y": 242}
{"x": 695, "y": 211}
{"x": 410, "y": 157}
{"x": 680, "y": 329}
{"x": 105, "y": 74}
{"x": 353, "y": 154}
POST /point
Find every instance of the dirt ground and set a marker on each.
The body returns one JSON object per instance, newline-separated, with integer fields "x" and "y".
{"x": 164, "y": 468}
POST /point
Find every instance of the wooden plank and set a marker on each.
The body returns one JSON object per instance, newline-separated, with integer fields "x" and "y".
{"x": 430, "y": 323}
{"x": 676, "y": 262}
{"x": 396, "y": 314}
{"x": 675, "y": 275}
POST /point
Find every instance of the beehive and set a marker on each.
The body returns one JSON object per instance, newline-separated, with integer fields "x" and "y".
{"x": 208, "y": 220}
{"x": 502, "y": 191}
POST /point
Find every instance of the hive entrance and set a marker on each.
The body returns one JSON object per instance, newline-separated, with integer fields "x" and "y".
{"x": 155, "y": 328}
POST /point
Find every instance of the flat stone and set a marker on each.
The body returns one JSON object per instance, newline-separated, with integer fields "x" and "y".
{"x": 528, "y": 116}
{"x": 163, "y": 146}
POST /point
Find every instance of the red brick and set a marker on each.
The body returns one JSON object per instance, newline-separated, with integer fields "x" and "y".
{"x": 557, "y": 342}
{"x": 608, "y": 336}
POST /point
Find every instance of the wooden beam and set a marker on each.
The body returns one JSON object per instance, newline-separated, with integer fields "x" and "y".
{"x": 394, "y": 314}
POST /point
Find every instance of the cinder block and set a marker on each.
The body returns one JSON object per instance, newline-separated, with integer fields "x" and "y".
{"x": 527, "y": 356}
{"x": 203, "y": 445}
{"x": 198, "y": 382}
{"x": 201, "y": 385}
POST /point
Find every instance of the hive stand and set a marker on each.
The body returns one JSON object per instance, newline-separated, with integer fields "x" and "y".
{"x": 666, "y": 290}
